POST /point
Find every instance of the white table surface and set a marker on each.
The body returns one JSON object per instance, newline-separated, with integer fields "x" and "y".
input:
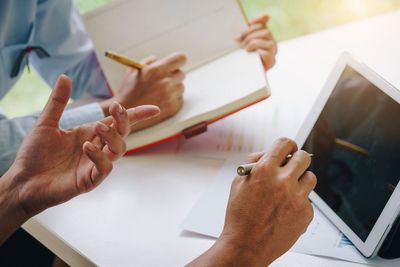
{"x": 133, "y": 218}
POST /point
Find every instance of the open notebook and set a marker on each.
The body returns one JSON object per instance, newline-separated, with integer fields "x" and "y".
{"x": 221, "y": 78}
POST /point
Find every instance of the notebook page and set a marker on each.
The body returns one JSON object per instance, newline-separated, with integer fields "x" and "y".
{"x": 202, "y": 30}
{"x": 211, "y": 91}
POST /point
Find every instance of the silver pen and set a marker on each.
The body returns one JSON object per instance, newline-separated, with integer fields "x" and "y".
{"x": 245, "y": 169}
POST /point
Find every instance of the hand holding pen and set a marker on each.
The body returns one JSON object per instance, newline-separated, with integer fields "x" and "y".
{"x": 245, "y": 169}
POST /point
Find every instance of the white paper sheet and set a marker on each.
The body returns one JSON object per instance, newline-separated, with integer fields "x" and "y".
{"x": 322, "y": 238}
{"x": 250, "y": 130}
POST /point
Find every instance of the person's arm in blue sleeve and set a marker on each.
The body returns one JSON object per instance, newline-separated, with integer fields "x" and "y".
{"x": 13, "y": 131}
{"x": 59, "y": 30}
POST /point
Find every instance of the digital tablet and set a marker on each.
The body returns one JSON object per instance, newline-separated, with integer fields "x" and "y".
{"x": 353, "y": 132}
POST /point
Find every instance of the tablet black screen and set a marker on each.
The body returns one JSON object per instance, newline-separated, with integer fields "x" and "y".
{"x": 356, "y": 147}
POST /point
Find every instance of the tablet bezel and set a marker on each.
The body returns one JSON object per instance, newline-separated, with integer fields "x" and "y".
{"x": 370, "y": 247}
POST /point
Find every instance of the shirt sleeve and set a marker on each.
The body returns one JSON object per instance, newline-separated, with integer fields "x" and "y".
{"x": 59, "y": 29}
{"x": 13, "y": 131}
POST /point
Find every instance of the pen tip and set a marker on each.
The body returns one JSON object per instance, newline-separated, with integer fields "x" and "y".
{"x": 106, "y": 53}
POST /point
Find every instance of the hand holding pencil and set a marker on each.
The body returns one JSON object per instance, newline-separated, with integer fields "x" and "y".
{"x": 151, "y": 82}
{"x": 124, "y": 60}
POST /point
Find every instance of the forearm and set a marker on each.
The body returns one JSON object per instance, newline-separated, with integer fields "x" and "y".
{"x": 12, "y": 216}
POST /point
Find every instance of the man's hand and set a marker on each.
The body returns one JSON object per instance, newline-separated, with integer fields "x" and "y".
{"x": 258, "y": 38}
{"x": 267, "y": 210}
{"x": 54, "y": 165}
{"x": 160, "y": 84}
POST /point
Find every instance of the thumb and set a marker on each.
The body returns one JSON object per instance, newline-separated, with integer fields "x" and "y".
{"x": 55, "y": 106}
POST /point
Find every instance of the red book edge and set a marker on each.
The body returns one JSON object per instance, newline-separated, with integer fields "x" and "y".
{"x": 180, "y": 134}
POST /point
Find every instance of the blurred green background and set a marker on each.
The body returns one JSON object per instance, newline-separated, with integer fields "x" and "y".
{"x": 289, "y": 19}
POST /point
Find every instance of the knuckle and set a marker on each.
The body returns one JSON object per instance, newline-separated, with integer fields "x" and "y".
{"x": 297, "y": 203}
{"x": 253, "y": 42}
{"x": 123, "y": 147}
{"x": 176, "y": 90}
{"x": 287, "y": 142}
{"x": 152, "y": 71}
{"x": 253, "y": 156}
{"x": 282, "y": 188}
{"x": 303, "y": 154}
{"x": 302, "y": 157}
{"x": 290, "y": 175}
{"x": 159, "y": 70}
{"x": 313, "y": 178}
{"x": 165, "y": 83}
{"x": 254, "y": 27}
{"x": 172, "y": 107}
{"x": 262, "y": 170}
{"x": 114, "y": 135}
{"x": 265, "y": 33}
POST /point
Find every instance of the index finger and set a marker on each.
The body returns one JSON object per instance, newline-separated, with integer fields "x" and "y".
{"x": 260, "y": 19}
{"x": 254, "y": 157}
{"x": 136, "y": 114}
{"x": 172, "y": 62}
{"x": 279, "y": 151}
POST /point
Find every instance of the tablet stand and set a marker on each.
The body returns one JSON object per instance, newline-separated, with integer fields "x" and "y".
{"x": 391, "y": 246}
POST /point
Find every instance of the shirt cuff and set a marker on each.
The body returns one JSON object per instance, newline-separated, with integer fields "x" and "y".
{"x": 81, "y": 115}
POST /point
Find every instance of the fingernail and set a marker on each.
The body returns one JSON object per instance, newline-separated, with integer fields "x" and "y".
{"x": 103, "y": 127}
{"x": 120, "y": 109}
{"x": 90, "y": 147}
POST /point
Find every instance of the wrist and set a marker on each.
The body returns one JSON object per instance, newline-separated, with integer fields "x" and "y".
{"x": 239, "y": 250}
{"x": 229, "y": 251}
{"x": 12, "y": 214}
{"x": 249, "y": 247}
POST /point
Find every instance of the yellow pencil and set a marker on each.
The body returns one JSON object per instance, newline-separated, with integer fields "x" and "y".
{"x": 124, "y": 60}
